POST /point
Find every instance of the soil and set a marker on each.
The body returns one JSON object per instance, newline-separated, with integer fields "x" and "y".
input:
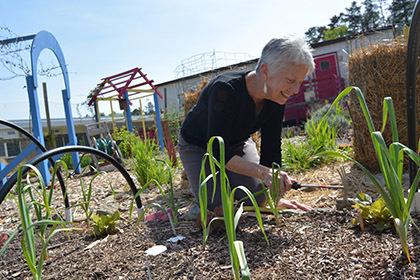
{"x": 321, "y": 244}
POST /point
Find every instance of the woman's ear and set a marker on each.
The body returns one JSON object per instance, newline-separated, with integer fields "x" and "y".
{"x": 264, "y": 71}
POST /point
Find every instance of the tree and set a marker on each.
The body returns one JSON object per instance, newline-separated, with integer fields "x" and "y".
{"x": 334, "y": 33}
{"x": 150, "y": 109}
{"x": 12, "y": 60}
{"x": 382, "y": 7}
{"x": 136, "y": 112}
{"x": 400, "y": 12}
{"x": 371, "y": 16}
{"x": 315, "y": 34}
{"x": 353, "y": 18}
{"x": 335, "y": 21}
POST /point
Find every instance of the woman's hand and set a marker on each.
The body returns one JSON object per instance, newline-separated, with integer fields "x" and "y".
{"x": 293, "y": 204}
{"x": 286, "y": 181}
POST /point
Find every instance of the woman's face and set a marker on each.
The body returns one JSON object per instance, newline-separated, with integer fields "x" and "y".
{"x": 284, "y": 83}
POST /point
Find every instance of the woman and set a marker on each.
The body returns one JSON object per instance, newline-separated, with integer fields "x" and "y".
{"x": 235, "y": 105}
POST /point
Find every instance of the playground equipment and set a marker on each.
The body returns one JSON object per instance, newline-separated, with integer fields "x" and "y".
{"x": 40, "y": 41}
{"x": 126, "y": 92}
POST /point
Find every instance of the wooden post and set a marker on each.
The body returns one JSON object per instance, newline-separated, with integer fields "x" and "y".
{"x": 142, "y": 120}
{"x": 51, "y": 138}
{"x": 112, "y": 115}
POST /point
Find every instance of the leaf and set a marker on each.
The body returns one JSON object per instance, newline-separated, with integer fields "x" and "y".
{"x": 239, "y": 248}
{"x": 104, "y": 223}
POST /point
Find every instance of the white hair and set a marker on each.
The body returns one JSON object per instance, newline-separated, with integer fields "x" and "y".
{"x": 280, "y": 53}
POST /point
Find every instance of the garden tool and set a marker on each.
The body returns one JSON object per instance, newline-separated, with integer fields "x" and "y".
{"x": 297, "y": 186}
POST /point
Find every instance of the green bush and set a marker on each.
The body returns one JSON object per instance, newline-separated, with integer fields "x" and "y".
{"x": 85, "y": 160}
{"x": 298, "y": 156}
{"x": 125, "y": 141}
{"x": 146, "y": 165}
{"x": 320, "y": 136}
{"x": 339, "y": 118}
{"x": 174, "y": 123}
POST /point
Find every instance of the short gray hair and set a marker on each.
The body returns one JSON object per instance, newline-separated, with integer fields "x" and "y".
{"x": 281, "y": 52}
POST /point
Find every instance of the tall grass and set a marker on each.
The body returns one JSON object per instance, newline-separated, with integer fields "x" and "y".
{"x": 391, "y": 162}
{"x": 230, "y": 217}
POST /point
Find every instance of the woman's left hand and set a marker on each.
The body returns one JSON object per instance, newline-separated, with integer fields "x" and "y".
{"x": 293, "y": 204}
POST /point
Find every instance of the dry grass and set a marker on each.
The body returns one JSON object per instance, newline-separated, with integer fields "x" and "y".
{"x": 379, "y": 71}
{"x": 191, "y": 96}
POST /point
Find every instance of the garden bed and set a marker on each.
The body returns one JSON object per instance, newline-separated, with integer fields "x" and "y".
{"x": 321, "y": 244}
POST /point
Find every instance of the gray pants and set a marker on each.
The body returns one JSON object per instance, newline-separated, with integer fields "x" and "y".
{"x": 191, "y": 157}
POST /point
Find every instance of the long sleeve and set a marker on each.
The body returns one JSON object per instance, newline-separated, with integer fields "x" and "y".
{"x": 271, "y": 137}
{"x": 220, "y": 117}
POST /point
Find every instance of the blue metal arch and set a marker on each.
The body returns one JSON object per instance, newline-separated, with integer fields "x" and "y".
{"x": 45, "y": 40}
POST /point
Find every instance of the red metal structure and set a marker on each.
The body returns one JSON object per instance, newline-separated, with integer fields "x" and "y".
{"x": 134, "y": 81}
{"x": 325, "y": 84}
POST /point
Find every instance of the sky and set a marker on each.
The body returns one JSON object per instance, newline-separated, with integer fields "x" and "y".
{"x": 101, "y": 38}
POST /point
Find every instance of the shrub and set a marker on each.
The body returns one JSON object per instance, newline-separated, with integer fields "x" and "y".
{"x": 339, "y": 118}
{"x": 320, "y": 136}
{"x": 85, "y": 160}
{"x": 125, "y": 141}
{"x": 146, "y": 165}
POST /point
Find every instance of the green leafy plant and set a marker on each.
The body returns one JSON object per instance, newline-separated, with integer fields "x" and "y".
{"x": 391, "y": 163}
{"x": 298, "y": 156}
{"x": 320, "y": 136}
{"x": 146, "y": 166}
{"x": 168, "y": 198}
{"x": 105, "y": 145}
{"x": 105, "y": 223}
{"x": 125, "y": 141}
{"x": 85, "y": 160}
{"x": 174, "y": 123}
{"x": 44, "y": 228}
{"x": 339, "y": 118}
{"x": 369, "y": 212}
{"x": 230, "y": 217}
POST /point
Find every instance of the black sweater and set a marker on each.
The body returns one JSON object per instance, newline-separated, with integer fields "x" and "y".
{"x": 226, "y": 109}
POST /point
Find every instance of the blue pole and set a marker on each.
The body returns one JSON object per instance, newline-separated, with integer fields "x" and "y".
{"x": 36, "y": 123}
{"x": 71, "y": 132}
{"x": 4, "y": 179}
{"x": 15, "y": 162}
{"x": 158, "y": 122}
{"x": 128, "y": 113}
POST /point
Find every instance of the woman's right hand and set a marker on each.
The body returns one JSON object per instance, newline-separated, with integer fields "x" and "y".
{"x": 266, "y": 176}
